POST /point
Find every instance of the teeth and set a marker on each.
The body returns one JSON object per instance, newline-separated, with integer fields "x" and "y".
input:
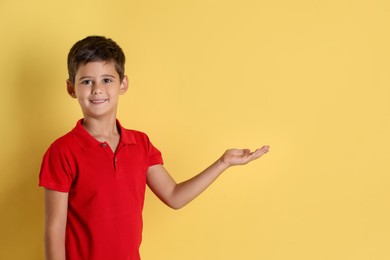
{"x": 99, "y": 101}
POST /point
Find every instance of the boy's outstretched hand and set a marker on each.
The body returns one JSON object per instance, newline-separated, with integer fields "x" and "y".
{"x": 242, "y": 156}
{"x": 177, "y": 195}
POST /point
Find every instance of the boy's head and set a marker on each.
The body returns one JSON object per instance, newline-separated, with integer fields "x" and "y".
{"x": 95, "y": 48}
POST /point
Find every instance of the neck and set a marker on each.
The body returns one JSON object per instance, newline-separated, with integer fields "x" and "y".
{"x": 101, "y": 129}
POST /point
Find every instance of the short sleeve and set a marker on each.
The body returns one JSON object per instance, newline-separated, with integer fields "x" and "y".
{"x": 55, "y": 173}
{"x": 155, "y": 156}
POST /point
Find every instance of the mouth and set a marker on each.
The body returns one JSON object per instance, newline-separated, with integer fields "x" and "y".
{"x": 98, "y": 101}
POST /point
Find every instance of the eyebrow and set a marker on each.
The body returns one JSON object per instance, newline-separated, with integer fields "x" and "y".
{"x": 108, "y": 75}
{"x": 103, "y": 76}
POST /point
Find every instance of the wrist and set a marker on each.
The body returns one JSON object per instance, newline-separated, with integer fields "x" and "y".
{"x": 222, "y": 164}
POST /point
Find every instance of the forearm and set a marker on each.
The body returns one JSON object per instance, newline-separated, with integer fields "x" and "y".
{"x": 186, "y": 191}
{"x": 56, "y": 205}
{"x": 54, "y": 244}
{"x": 178, "y": 195}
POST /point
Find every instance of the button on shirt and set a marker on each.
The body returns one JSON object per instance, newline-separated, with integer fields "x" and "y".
{"x": 106, "y": 191}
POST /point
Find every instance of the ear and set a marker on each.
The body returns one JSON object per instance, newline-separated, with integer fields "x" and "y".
{"x": 124, "y": 85}
{"x": 70, "y": 89}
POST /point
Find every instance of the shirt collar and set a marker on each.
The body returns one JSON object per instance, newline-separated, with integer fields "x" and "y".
{"x": 85, "y": 140}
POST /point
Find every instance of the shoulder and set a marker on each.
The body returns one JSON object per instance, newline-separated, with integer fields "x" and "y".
{"x": 63, "y": 140}
{"x": 61, "y": 146}
{"x": 135, "y": 136}
{"x": 64, "y": 143}
{"x": 131, "y": 135}
{"x": 135, "y": 133}
{"x": 139, "y": 139}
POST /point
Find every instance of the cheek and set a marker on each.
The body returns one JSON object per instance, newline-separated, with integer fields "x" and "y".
{"x": 82, "y": 93}
{"x": 82, "y": 98}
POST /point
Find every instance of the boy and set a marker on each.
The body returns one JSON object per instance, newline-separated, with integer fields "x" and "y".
{"x": 95, "y": 176}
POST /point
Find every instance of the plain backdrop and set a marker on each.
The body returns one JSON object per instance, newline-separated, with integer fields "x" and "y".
{"x": 309, "y": 78}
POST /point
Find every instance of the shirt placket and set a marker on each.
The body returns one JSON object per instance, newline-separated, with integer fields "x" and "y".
{"x": 111, "y": 155}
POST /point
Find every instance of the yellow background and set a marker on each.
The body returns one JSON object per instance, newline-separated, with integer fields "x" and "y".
{"x": 309, "y": 78}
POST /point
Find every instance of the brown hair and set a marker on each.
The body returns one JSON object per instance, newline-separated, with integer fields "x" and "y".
{"x": 95, "y": 48}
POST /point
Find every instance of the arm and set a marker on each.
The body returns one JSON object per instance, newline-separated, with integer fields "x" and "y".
{"x": 56, "y": 207}
{"x": 178, "y": 195}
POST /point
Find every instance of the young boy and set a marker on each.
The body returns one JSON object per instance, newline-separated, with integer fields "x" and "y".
{"x": 95, "y": 176}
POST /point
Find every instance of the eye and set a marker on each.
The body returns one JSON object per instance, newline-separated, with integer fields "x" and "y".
{"x": 107, "y": 80}
{"x": 86, "y": 82}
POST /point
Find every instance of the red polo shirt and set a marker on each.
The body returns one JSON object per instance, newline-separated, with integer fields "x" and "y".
{"x": 106, "y": 191}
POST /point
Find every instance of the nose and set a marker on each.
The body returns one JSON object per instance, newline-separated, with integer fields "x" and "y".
{"x": 97, "y": 89}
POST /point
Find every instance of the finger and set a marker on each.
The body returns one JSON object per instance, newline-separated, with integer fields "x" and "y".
{"x": 246, "y": 152}
{"x": 265, "y": 148}
{"x": 251, "y": 156}
{"x": 260, "y": 152}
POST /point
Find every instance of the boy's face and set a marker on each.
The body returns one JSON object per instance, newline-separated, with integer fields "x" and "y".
{"x": 97, "y": 87}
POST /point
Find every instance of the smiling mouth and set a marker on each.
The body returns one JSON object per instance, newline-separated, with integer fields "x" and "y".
{"x": 98, "y": 101}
